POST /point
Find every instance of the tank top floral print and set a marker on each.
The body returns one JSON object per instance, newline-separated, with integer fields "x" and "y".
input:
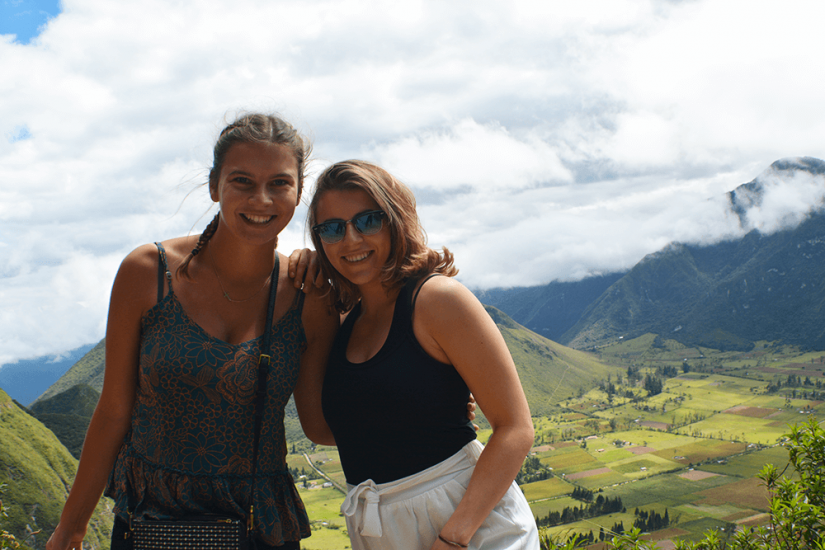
{"x": 190, "y": 445}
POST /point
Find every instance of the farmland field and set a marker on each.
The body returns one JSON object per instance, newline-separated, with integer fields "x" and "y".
{"x": 694, "y": 449}
{"x": 328, "y": 526}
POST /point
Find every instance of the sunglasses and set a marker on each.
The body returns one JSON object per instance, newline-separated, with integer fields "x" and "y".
{"x": 366, "y": 223}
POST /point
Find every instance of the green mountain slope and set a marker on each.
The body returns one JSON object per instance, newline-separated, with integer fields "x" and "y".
{"x": 88, "y": 370}
{"x": 38, "y": 472}
{"x": 549, "y": 372}
{"x": 67, "y": 414}
{"x": 551, "y": 309}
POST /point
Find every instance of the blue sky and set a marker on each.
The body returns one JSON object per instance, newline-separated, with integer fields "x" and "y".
{"x": 24, "y": 18}
{"x": 544, "y": 140}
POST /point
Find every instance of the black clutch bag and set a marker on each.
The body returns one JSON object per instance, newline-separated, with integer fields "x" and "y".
{"x": 204, "y": 532}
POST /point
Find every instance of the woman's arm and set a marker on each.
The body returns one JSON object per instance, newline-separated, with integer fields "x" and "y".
{"x": 320, "y": 325}
{"x": 134, "y": 290}
{"x": 453, "y": 326}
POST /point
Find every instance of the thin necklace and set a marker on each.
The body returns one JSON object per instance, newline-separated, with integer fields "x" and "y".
{"x": 225, "y": 293}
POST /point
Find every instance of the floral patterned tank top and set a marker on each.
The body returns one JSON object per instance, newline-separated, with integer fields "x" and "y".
{"x": 190, "y": 445}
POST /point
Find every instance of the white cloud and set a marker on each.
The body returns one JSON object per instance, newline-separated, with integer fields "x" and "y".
{"x": 785, "y": 200}
{"x": 544, "y": 140}
{"x": 467, "y": 154}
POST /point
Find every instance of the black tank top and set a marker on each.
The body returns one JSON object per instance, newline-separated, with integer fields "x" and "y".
{"x": 399, "y": 412}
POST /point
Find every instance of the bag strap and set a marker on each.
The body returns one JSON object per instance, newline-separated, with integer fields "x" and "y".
{"x": 264, "y": 362}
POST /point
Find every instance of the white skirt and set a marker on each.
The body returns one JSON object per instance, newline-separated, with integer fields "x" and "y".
{"x": 410, "y": 512}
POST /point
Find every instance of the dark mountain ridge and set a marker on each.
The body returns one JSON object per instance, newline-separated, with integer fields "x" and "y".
{"x": 551, "y": 309}
{"x": 724, "y": 296}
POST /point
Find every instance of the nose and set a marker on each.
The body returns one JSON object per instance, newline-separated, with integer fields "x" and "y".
{"x": 261, "y": 196}
{"x": 352, "y": 234}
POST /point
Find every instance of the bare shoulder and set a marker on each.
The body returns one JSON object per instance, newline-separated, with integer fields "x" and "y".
{"x": 446, "y": 308}
{"x": 140, "y": 262}
{"x": 444, "y": 295}
{"x": 451, "y": 324}
{"x": 136, "y": 282}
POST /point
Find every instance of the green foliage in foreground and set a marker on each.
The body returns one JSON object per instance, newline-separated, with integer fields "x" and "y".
{"x": 797, "y": 509}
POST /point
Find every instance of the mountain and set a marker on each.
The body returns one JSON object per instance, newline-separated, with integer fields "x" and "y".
{"x": 25, "y": 380}
{"x": 764, "y": 285}
{"x": 551, "y": 309}
{"x": 549, "y": 372}
{"x": 67, "y": 415}
{"x": 87, "y": 370}
{"x": 37, "y": 471}
{"x": 724, "y": 296}
{"x": 749, "y": 199}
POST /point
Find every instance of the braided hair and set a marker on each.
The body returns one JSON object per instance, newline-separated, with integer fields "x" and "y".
{"x": 250, "y": 128}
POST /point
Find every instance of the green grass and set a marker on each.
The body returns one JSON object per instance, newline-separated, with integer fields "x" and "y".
{"x": 37, "y": 471}
{"x": 698, "y": 527}
{"x": 328, "y": 525}
{"x": 749, "y": 464}
{"x": 545, "y": 489}
{"x": 667, "y": 489}
{"x": 731, "y": 426}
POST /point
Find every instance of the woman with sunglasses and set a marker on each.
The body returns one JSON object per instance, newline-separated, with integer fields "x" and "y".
{"x": 175, "y": 421}
{"x": 415, "y": 340}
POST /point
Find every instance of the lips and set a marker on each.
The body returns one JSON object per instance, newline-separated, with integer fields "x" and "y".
{"x": 357, "y": 257}
{"x": 257, "y": 219}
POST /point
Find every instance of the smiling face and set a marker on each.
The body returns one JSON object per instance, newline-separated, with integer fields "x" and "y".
{"x": 257, "y": 190}
{"x": 358, "y": 258}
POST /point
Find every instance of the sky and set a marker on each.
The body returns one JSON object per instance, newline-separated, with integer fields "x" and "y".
{"x": 544, "y": 140}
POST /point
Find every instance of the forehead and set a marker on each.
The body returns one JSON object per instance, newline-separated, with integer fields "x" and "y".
{"x": 344, "y": 204}
{"x": 260, "y": 158}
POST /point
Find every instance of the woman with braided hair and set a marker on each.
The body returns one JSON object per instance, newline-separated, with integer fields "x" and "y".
{"x": 174, "y": 424}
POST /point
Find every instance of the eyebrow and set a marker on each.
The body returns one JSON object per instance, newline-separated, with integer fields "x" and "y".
{"x": 274, "y": 176}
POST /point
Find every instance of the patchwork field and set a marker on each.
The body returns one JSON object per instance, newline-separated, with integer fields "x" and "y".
{"x": 694, "y": 450}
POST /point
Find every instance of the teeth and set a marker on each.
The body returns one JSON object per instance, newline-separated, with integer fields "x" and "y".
{"x": 257, "y": 219}
{"x": 357, "y": 258}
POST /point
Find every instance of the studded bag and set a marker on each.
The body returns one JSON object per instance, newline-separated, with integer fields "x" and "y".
{"x": 205, "y": 533}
